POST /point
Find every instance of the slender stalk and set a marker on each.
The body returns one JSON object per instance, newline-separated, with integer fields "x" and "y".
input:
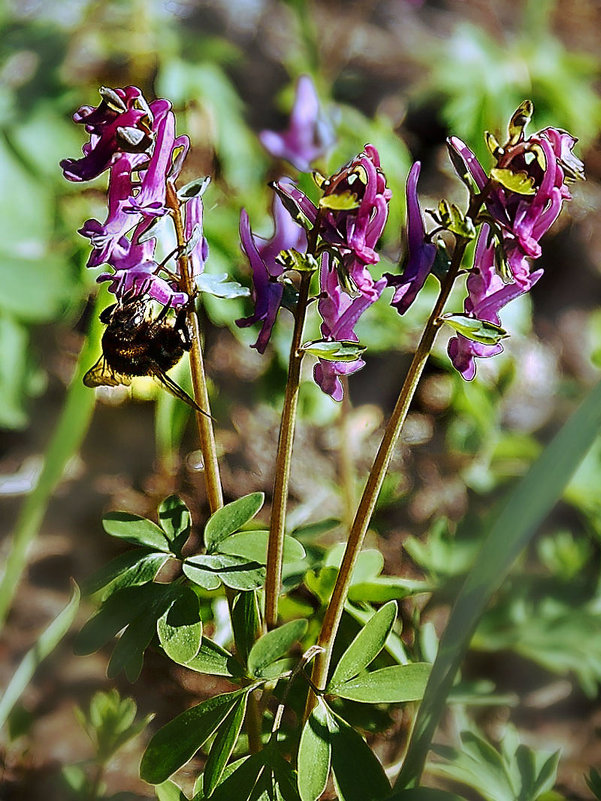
{"x": 346, "y": 465}
{"x": 199, "y": 381}
{"x": 375, "y": 479}
{"x": 284, "y": 460}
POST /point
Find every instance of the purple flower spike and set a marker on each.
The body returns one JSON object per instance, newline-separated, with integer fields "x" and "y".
{"x": 150, "y": 200}
{"x": 420, "y": 255}
{"x": 487, "y": 295}
{"x": 121, "y": 123}
{"x": 267, "y": 291}
{"x": 309, "y": 135}
{"x": 141, "y": 279}
{"x": 354, "y": 231}
{"x": 104, "y": 238}
{"x": 340, "y": 313}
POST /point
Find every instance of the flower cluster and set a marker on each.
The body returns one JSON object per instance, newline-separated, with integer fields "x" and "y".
{"x": 343, "y": 230}
{"x": 523, "y": 198}
{"x": 136, "y": 142}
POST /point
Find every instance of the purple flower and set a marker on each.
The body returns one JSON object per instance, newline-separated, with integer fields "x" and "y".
{"x": 351, "y": 216}
{"x": 340, "y": 313}
{"x": 194, "y": 211}
{"x": 142, "y": 279}
{"x": 104, "y": 238}
{"x": 487, "y": 295}
{"x": 122, "y": 123}
{"x": 420, "y": 252}
{"x": 309, "y": 135}
{"x": 545, "y": 160}
{"x": 267, "y": 290}
{"x": 150, "y": 199}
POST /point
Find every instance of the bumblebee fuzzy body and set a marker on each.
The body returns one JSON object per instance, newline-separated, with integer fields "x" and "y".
{"x": 137, "y": 344}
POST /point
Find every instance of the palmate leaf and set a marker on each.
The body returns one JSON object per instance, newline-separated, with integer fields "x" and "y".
{"x": 252, "y": 545}
{"x": 314, "y": 755}
{"x": 135, "y": 529}
{"x": 129, "y": 569}
{"x": 273, "y": 645}
{"x": 390, "y": 685}
{"x": 209, "y": 570}
{"x": 513, "y": 527}
{"x": 365, "y": 647}
{"x": 179, "y": 627}
{"x": 231, "y": 518}
{"x": 178, "y": 741}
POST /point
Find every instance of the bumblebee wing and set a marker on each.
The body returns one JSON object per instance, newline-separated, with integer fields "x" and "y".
{"x": 102, "y": 375}
{"x": 169, "y": 384}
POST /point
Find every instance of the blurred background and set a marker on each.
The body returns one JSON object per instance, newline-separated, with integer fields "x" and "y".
{"x": 402, "y": 75}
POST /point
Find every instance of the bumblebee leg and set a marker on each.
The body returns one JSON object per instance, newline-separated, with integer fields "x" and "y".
{"x": 181, "y": 325}
{"x": 164, "y": 311}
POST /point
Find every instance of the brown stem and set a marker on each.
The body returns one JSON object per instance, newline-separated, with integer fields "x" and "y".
{"x": 199, "y": 382}
{"x": 284, "y": 460}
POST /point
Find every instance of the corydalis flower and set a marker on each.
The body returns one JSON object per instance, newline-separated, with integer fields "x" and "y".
{"x": 420, "y": 252}
{"x": 267, "y": 290}
{"x": 487, "y": 295}
{"x": 350, "y": 219}
{"x": 309, "y": 135}
{"x": 122, "y": 123}
{"x": 526, "y": 188}
{"x": 340, "y": 314}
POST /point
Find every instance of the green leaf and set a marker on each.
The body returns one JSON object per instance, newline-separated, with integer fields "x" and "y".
{"x": 274, "y": 644}
{"x": 474, "y": 329}
{"x": 116, "y": 612}
{"x": 233, "y": 571}
{"x": 358, "y": 774}
{"x": 178, "y": 741}
{"x": 180, "y": 628}
{"x": 135, "y": 529}
{"x": 126, "y": 570}
{"x": 252, "y": 545}
{"x": 128, "y": 654}
{"x": 390, "y": 685}
{"x": 314, "y": 754}
{"x": 175, "y": 520}
{"x": 231, "y": 518}
{"x": 513, "y": 527}
{"x": 203, "y": 576}
{"x": 223, "y": 745}
{"x": 246, "y": 622}
{"x": 514, "y": 181}
{"x": 386, "y": 588}
{"x": 221, "y": 286}
{"x": 169, "y": 791}
{"x": 365, "y": 647}
{"x": 238, "y": 781}
{"x": 45, "y": 644}
{"x": 331, "y": 351}
{"x": 215, "y": 661}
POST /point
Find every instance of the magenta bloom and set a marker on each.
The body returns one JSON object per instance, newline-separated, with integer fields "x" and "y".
{"x": 267, "y": 290}
{"x": 420, "y": 252}
{"x": 340, "y": 313}
{"x": 150, "y": 199}
{"x": 352, "y": 215}
{"x": 524, "y": 218}
{"x": 122, "y": 123}
{"x": 487, "y": 295}
{"x": 309, "y": 135}
{"x": 194, "y": 211}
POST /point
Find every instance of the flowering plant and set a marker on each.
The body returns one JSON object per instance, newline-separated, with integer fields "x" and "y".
{"x": 323, "y": 257}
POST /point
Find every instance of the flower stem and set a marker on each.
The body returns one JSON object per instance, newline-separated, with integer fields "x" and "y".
{"x": 375, "y": 479}
{"x": 199, "y": 381}
{"x": 283, "y": 463}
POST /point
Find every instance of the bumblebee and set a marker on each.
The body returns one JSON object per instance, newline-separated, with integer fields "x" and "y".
{"x": 135, "y": 343}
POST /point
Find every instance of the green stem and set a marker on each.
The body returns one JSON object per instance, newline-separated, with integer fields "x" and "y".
{"x": 199, "y": 381}
{"x": 283, "y": 463}
{"x": 65, "y": 442}
{"x": 375, "y": 479}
